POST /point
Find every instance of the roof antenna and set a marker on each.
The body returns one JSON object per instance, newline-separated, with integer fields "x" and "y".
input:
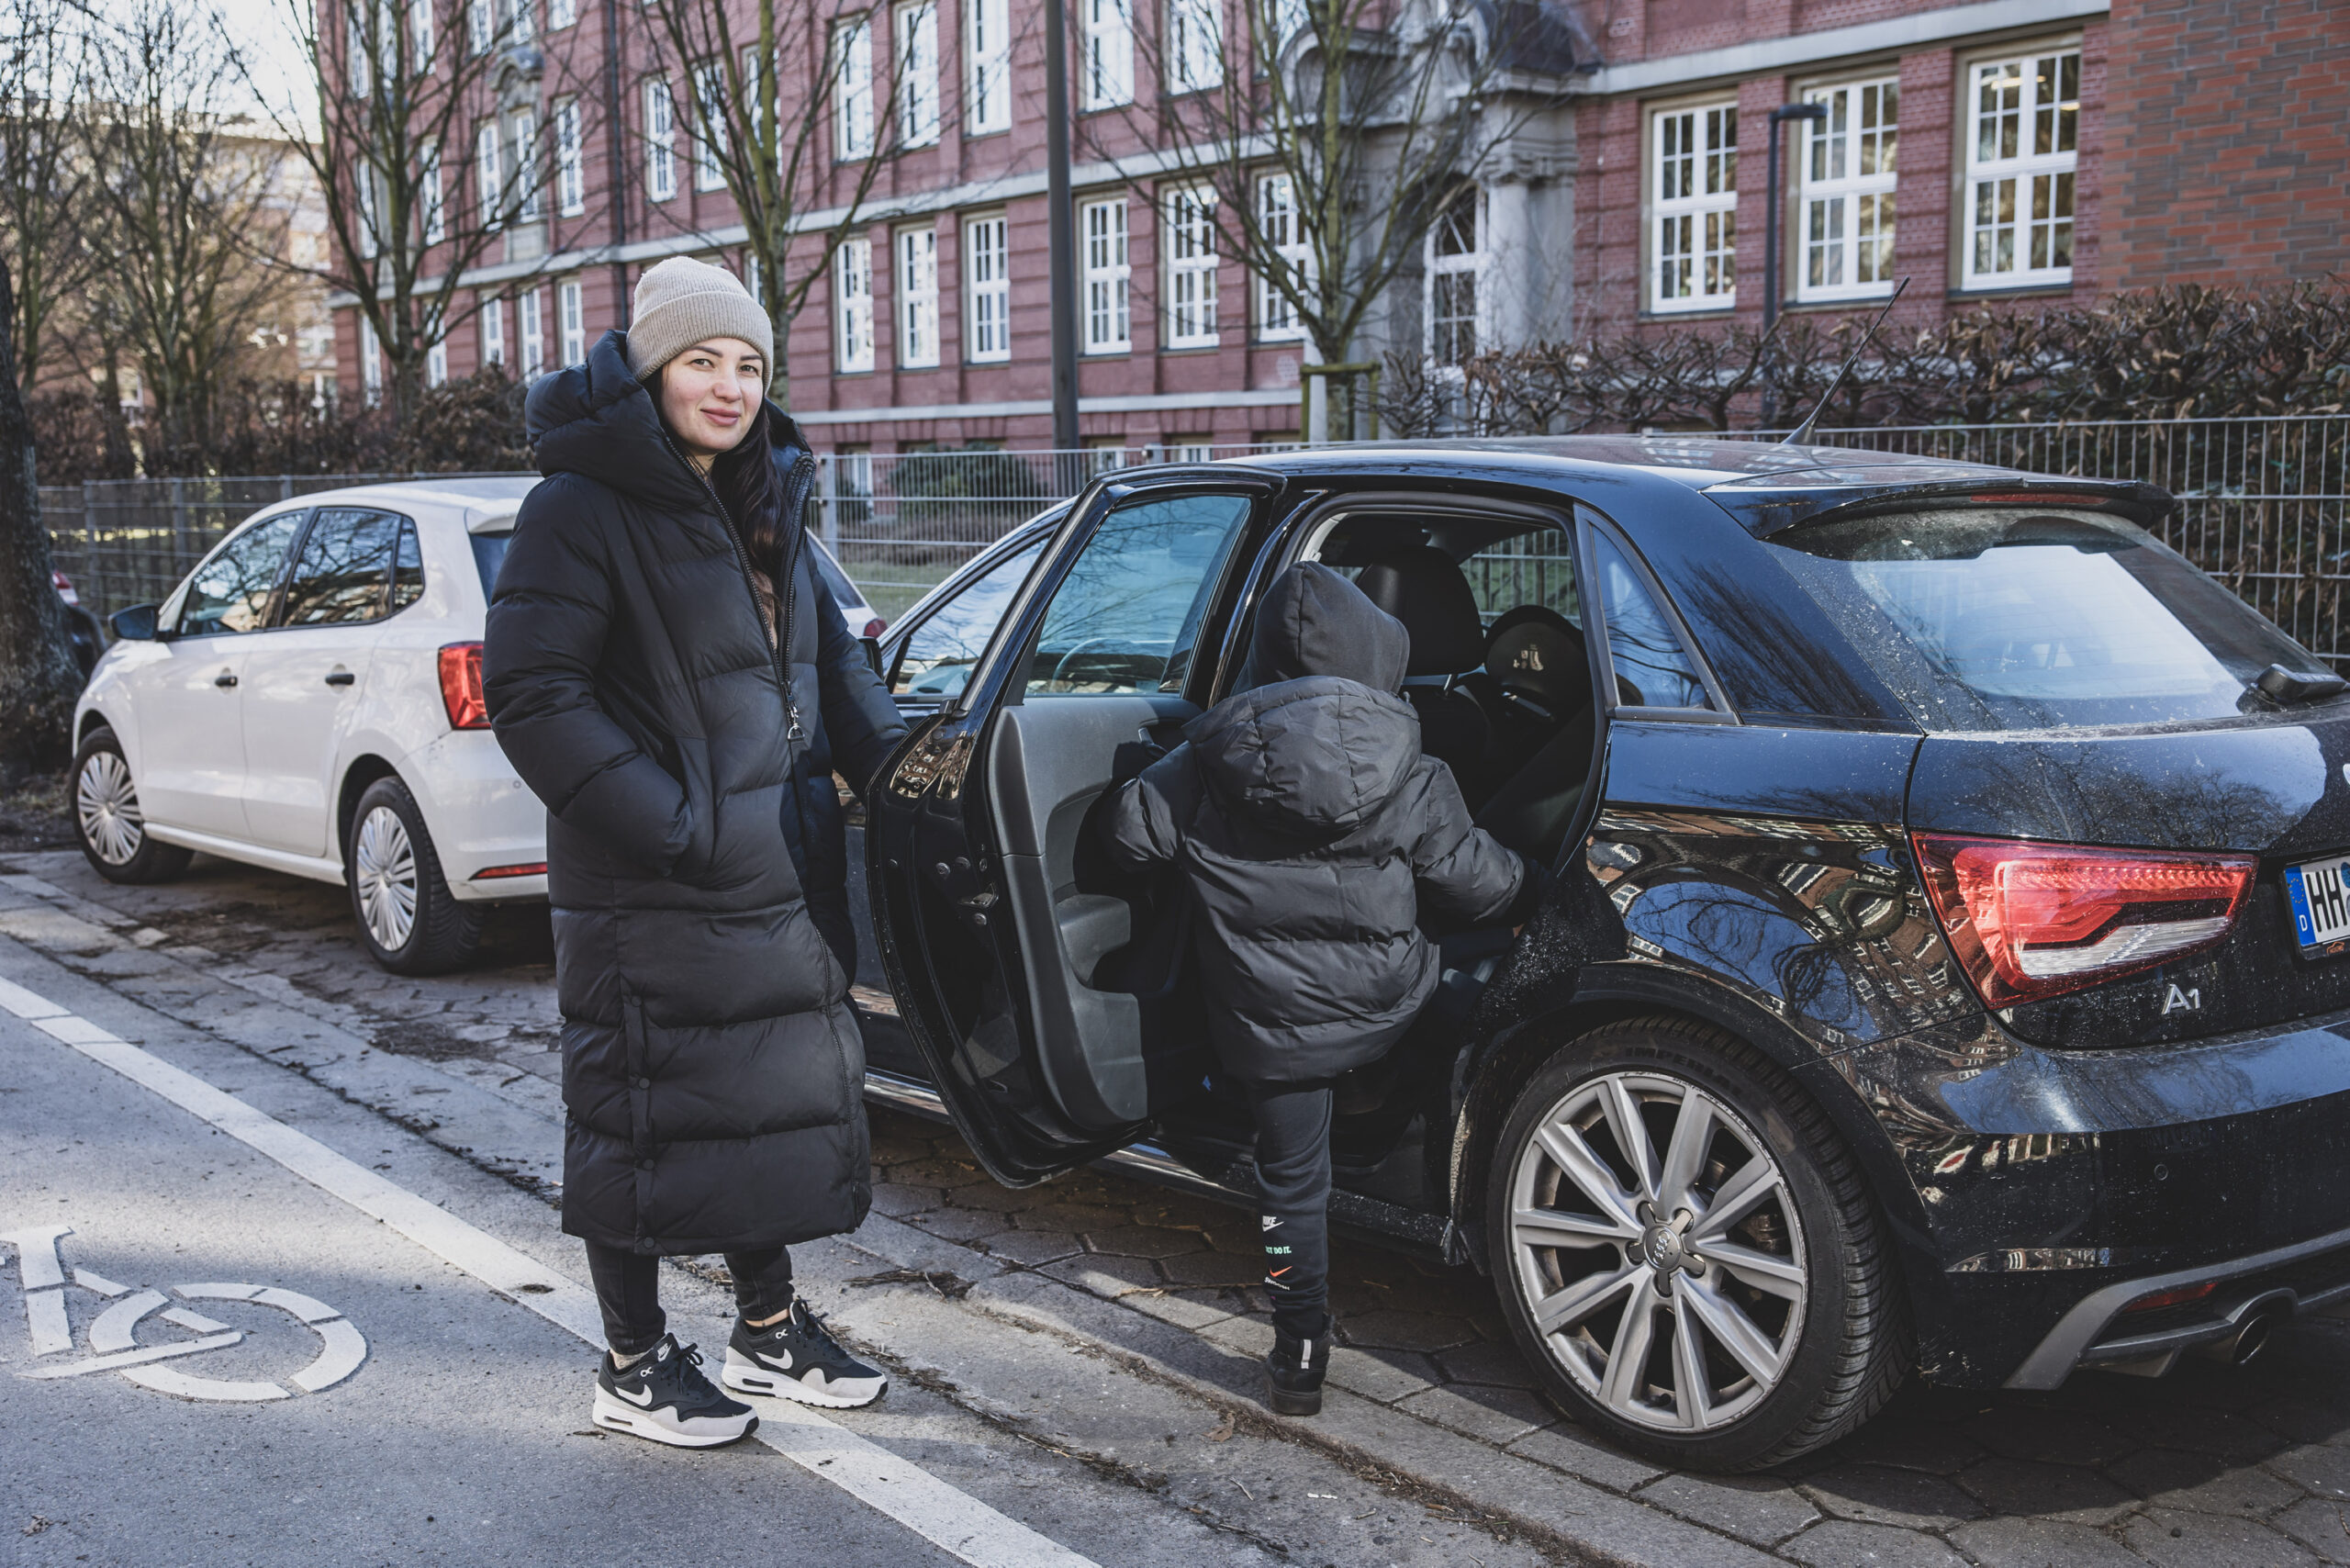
{"x": 1801, "y": 434}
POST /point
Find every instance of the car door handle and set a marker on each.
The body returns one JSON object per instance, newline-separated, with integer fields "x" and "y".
{"x": 340, "y": 678}
{"x": 224, "y": 679}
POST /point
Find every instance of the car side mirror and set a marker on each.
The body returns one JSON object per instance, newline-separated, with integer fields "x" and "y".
{"x": 872, "y": 646}
{"x": 136, "y": 624}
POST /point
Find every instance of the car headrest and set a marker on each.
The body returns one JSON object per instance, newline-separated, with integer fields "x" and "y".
{"x": 1538, "y": 652}
{"x": 1423, "y": 588}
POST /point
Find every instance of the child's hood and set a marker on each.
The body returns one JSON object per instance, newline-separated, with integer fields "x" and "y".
{"x": 1327, "y": 743}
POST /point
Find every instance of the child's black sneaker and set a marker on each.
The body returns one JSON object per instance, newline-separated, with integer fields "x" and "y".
{"x": 664, "y": 1396}
{"x": 798, "y": 1358}
{"x": 1296, "y": 1368}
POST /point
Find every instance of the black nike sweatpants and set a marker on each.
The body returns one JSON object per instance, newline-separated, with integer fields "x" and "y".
{"x": 627, "y": 1292}
{"x": 1294, "y": 1208}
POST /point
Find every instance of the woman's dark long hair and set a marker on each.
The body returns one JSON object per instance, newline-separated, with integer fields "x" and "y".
{"x": 746, "y": 482}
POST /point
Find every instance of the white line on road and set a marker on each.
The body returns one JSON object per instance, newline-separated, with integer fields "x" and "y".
{"x": 135, "y": 1358}
{"x": 947, "y": 1517}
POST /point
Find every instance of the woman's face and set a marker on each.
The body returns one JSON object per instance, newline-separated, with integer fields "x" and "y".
{"x": 710, "y": 393}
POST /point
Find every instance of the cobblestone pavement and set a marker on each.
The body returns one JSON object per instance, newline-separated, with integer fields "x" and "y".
{"x": 2211, "y": 1466}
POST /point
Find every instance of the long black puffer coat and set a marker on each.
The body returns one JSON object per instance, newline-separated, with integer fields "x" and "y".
{"x": 712, "y": 1070}
{"x": 1315, "y": 840}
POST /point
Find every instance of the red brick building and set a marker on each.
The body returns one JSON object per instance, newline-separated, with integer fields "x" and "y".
{"x": 1995, "y": 149}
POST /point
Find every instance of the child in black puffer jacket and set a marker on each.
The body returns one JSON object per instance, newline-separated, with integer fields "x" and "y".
{"x": 1315, "y": 838}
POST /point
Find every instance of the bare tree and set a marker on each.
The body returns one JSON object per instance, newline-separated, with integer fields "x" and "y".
{"x": 727, "y": 75}
{"x": 418, "y": 100}
{"x": 1333, "y": 136}
{"x": 46, "y": 64}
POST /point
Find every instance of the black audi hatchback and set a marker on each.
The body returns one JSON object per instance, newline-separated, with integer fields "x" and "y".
{"x": 1948, "y": 967}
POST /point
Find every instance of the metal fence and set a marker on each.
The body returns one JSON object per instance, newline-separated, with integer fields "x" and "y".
{"x": 2264, "y": 505}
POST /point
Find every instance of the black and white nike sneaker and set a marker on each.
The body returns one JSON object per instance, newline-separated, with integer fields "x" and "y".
{"x": 798, "y": 1358}
{"x": 664, "y": 1396}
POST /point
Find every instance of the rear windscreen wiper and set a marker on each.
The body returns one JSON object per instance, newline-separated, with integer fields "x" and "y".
{"x": 2286, "y": 687}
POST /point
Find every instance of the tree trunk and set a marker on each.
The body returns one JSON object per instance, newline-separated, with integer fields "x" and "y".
{"x": 38, "y": 679}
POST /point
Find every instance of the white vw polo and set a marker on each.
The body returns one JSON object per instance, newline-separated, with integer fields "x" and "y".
{"x": 309, "y": 701}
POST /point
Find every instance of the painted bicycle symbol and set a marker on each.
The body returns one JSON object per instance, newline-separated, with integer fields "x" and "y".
{"x": 113, "y": 1334}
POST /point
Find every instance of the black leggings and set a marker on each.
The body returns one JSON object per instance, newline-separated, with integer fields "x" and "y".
{"x": 1293, "y": 1175}
{"x": 628, "y": 1290}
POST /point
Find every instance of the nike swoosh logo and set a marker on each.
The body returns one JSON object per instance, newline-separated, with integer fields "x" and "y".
{"x": 644, "y": 1399}
{"x": 782, "y": 1364}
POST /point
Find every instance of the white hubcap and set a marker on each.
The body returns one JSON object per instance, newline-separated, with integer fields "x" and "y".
{"x": 108, "y": 809}
{"x": 1657, "y": 1249}
{"x": 383, "y": 869}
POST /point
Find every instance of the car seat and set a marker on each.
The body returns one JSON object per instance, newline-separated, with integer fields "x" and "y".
{"x": 1424, "y": 588}
{"x": 1537, "y": 659}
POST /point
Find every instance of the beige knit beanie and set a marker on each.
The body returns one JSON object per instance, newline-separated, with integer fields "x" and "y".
{"x": 680, "y": 302}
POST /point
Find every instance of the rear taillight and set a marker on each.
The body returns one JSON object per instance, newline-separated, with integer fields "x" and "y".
{"x": 874, "y": 628}
{"x": 2029, "y": 921}
{"x": 461, "y": 687}
{"x": 64, "y": 586}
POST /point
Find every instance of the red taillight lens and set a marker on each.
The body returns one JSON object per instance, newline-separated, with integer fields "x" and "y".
{"x": 2029, "y": 921}
{"x": 461, "y": 687}
{"x": 874, "y": 628}
{"x": 2179, "y": 1297}
{"x": 531, "y": 869}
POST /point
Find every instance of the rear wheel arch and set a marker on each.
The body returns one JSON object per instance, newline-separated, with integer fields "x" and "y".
{"x": 364, "y": 770}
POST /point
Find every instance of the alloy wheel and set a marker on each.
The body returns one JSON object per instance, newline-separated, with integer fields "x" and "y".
{"x": 1658, "y": 1251}
{"x": 383, "y": 871}
{"x": 108, "y": 808}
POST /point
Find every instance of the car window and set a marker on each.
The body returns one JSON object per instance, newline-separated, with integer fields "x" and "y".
{"x": 1524, "y": 568}
{"x": 1652, "y": 669}
{"x": 343, "y": 573}
{"x": 1126, "y": 616}
{"x": 2007, "y": 619}
{"x": 489, "y": 554}
{"x": 407, "y": 570}
{"x": 230, "y": 591}
{"x": 938, "y": 654}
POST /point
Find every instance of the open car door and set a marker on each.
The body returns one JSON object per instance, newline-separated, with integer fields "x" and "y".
{"x": 1042, "y": 987}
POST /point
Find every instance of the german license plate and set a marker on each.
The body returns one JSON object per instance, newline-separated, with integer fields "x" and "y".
{"x": 2320, "y": 893}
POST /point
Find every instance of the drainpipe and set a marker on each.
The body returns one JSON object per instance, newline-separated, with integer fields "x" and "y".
{"x": 1814, "y": 112}
{"x": 616, "y": 132}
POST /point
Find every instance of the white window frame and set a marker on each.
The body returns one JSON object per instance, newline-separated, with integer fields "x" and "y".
{"x": 493, "y": 331}
{"x": 1272, "y": 318}
{"x": 1187, "y": 219}
{"x": 363, "y": 189}
{"x": 986, "y": 55}
{"x": 571, "y": 323}
{"x": 1470, "y": 263}
{"x": 532, "y": 333}
{"x": 481, "y": 27}
{"x": 915, "y": 283}
{"x": 420, "y": 34}
{"x": 709, "y": 128}
{"x": 562, "y": 14}
{"x": 1105, "y": 71}
{"x": 1194, "y": 45}
{"x": 436, "y": 364}
{"x": 660, "y": 140}
{"x": 852, "y": 89}
{"x": 1845, "y": 216}
{"x": 433, "y": 220}
{"x": 1693, "y": 196}
{"x": 2032, "y": 168}
{"x": 916, "y": 27}
{"x": 489, "y": 174}
{"x": 570, "y": 162}
{"x": 1106, "y": 276}
{"x": 523, "y": 127}
{"x": 852, "y": 306}
{"x": 371, "y": 364}
{"x": 987, "y": 286}
{"x": 521, "y": 24}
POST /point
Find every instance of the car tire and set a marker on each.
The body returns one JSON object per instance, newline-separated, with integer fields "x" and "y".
{"x": 1796, "y": 1328}
{"x": 408, "y": 918}
{"x": 108, "y": 821}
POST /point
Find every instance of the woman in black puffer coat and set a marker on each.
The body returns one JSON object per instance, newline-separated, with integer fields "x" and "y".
{"x": 665, "y": 670}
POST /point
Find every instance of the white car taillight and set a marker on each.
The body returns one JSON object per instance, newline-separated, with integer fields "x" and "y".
{"x": 2030, "y": 921}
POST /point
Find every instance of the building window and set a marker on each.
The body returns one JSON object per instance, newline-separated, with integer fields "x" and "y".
{"x": 562, "y": 14}
{"x": 371, "y": 226}
{"x": 523, "y": 26}
{"x": 436, "y": 364}
{"x": 1847, "y": 196}
{"x": 917, "y": 286}
{"x": 987, "y": 262}
{"x": 1696, "y": 238}
{"x": 571, "y": 322}
{"x": 1102, "y": 228}
{"x": 709, "y": 125}
{"x": 852, "y": 304}
{"x": 534, "y": 350}
{"x": 1194, "y": 45}
{"x": 987, "y": 47}
{"x": 523, "y": 124}
{"x": 493, "y": 331}
{"x": 570, "y": 169}
{"x": 1456, "y": 266}
{"x": 852, "y": 89}
{"x": 660, "y": 142}
{"x": 1106, "y": 63}
{"x": 2020, "y": 170}
{"x": 1191, "y": 269}
{"x": 481, "y": 29}
{"x": 917, "y": 73}
{"x": 371, "y": 364}
{"x": 1276, "y": 318}
{"x": 434, "y": 224}
{"x": 489, "y": 176}
{"x": 419, "y": 32}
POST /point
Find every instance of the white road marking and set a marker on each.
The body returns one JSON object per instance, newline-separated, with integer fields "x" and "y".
{"x": 89, "y": 1281}
{"x": 133, "y": 1358}
{"x": 116, "y": 1327}
{"x": 40, "y": 1275}
{"x": 948, "y": 1519}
